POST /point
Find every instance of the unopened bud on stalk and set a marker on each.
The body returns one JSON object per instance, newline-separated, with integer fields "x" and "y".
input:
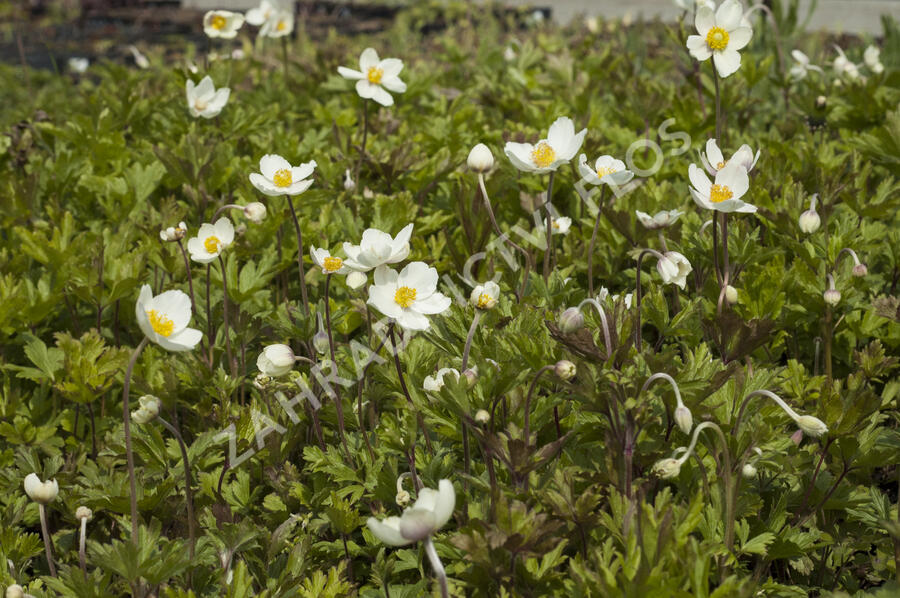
{"x": 349, "y": 185}
{"x": 255, "y": 212}
{"x": 38, "y": 491}
{"x": 821, "y": 102}
{"x": 731, "y": 295}
{"x": 860, "y": 270}
{"x": 403, "y": 498}
{"x": 482, "y": 416}
{"x": 565, "y": 369}
{"x": 812, "y": 426}
{"x": 148, "y": 410}
{"x": 571, "y": 320}
{"x": 666, "y": 468}
{"x": 748, "y": 470}
{"x": 480, "y": 158}
{"x": 320, "y": 342}
{"x": 15, "y": 591}
{"x": 684, "y": 419}
{"x": 809, "y": 220}
{"x": 83, "y": 513}
{"x": 471, "y": 376}
{"x": 832, "y": 296}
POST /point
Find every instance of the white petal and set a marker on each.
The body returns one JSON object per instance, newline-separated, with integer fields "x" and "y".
{"x": 175, "y": 305}
{"x": 735, "y": 178}
{"x": 419, "y": 276}
{"x": 412, "y": 320}
{"x": 272, "y": 163}
{"x": 184, "y": 340}
{"x": 436, "y": 303}
{"x": 393, "y": 84}
{"x": 739, "y": 38}
{"x": 713, "y": 153}
{"x": 560, "y": 134}
{"x": 350, "y": 74}
{"x": 520, "y": 155}
{"x": 224, "y": 231}
{"x": 699, "y": 180}
{"x": 390, "y": 67}
{"x": 704, "y": 21}
{"x": 369, "y": 57}
{"x": 382, "y": 96}
{"x": 729, "y": 14}
{"x": 365, "y": 89}
{"x": 299, "y": 173}
{"x": 388, "y": 531}
{"x": 265, "y": 186}
{"x": 727, "y": 62}
{"x": 698, "y": 48}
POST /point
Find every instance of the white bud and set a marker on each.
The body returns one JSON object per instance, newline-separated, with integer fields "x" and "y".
{"x": 571, "y": 320}
{"x": 356, "y": 280}
{"x": 684, "y": 419}
{"x": 320, "y": 342}
{"x": 15, "y": 591}
{"x": 860, "y": 270}
{"x": 748, "y": 470}
{"x": 731, "y": 294}
{"x": 471, "y": 376}
{"x": 832, "y": 296}
{"x": 666, "y": 468}
{"x": 812, "y": 426}
{"x": 565, "y": 369}
{"x": 403, "y": 498}
{"x": 482, "y": 416}
{"x": 480, "y": 158}
{"x": 147, "y": 411}
{"x": 821, "y": 102}
{"x": 276, "y": 360}
{"x": 83, "y": 513}
{"x": 38, "y": 491}
{"x": 349, "y": 185}
{"x": 810, "y": 221}
{"x": 255, "y": 212}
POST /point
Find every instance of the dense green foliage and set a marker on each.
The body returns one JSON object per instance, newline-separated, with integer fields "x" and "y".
{"x": 92, "y": 167}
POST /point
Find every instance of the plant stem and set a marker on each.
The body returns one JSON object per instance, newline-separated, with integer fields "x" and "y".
{"x": 189, "y": 493}
{"x": 338, "y": 402}
{"x": 225, "y": 316}
{"x": 637, "y": 298}
{"x": 300, "y": 267}
{"x": 82, "y": 539}
{"x": 527, "y": 429}
{"x": 405, "y": 389}
{"x": 45, "y": 531}
{"x": 284, "y": 58}
{"x": 603, "y": 321}
{"x": 528, "y": 263}
{"x": 549, "y": 227}
{"x": 129, "y": 455}
{"x": 718, "y": 105}
{"x": 437, "y": 566}
{"x": 209, "y": 325}
{"x": 590, "y": 255}
{"x": 362, "y": 146}
{"x": 187, "y": 269}
{"x": 469, "y": 337}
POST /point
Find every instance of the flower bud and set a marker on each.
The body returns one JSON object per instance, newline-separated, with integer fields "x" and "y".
{"x": 812, "y": 426}
{"x": 38, "y": 491}
{"x": 403, "y": 498}
{"x": 748, "y": 470}
{"x": 276, "y": 360}
{"x": 731, "y": 295}
{"x": 666, "y": 468}
{"x": 821, "y": 102}
{"x": 83, "y": 513}
{"x": 480, "y": 158}
{"x": 255, "y": 212}
{"x": 15, "y": 591}
{"x": 684, "y": 419}
{"x": 565, "y": 369}
{"x": 471, "y": 376}
{"x": 356, "y": 279}
{"x": 320, "y": 342}
{"x": 173, "y": 233}
{"x": 832, "y": 296}
{"x": 262, "y": 381}
{"x": 860, "y": 270}
{"x": 349, "y": 185}
{"x": 482, "y": 416}
{"x": 571, "y": 320}
{"x": 148, "y": 410}
{"x": 810, "y": 221}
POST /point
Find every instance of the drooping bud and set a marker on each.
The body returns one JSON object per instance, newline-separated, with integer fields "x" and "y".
{"x": 731, "y": 295}
{"x": 666, "y": 468}
{"x": 812, "y": 426}
{"x": 349, "y": 185}
{"x": 748, "y": 470}
{"x": 480, "y": 158}
{"x": 482, "y": 416}
{"x": 860, "y": 270}
{"x": 255, "y": 212}
{"x": 320, "y": 342}
{"x": 147, "y": 411}
{"x": 403, "y": 498}
{"x": 471, "y": 376}
{"x": 832, "y": 296}
{"x": 15, "y": 591}
{"x": 276, "y": 360}
{"x": 83, "y": 513}
{"x": 565, "y": 369}
{"x": 684, "y": 419}
{"x": 571, "y": 320}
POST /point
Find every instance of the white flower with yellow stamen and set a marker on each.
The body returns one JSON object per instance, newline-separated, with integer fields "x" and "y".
{"x": 378, "y": 248}
{"x": 658, "y": 220}
{"x": 485, "y": 296}
{"x": 431, "y": 511}
{"x": 211, "y": 239}
{"x": 276, "y": 176}
{"x": 673, "y": 268}
{"x": 731, "y": 183}
{"x": 558, "y": 226}
{"x": 721, "y": 35}
{"x": 330, "y": 264}
{"x": 204, "y": 99}
{"x": 606, "y": 171}
{"x": 713, "y": 160}
{"x": 279, "y": 24}
{"x": 408, "y": 297}
{"x": 164, "y": 319}
{"x": 222, "y": 23}
{"x": 560, "y": 146}
{"x": 375, "y": 78}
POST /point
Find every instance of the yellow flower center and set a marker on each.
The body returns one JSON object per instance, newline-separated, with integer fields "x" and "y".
{"x": 211, "y": 244}
{"x": 602, "y": 172}
{"x": 719, "y": 193}
{"x": 543, "y": 155}
{"x": 200, "y": 105}
{"x": 161, "y": 325}
{"x": 405, "y": 296}
{"x": 721, "y": 164}
{"x": 484, "y": 300}
{"x": 717, "y": 39}
{"x": 283, "y": 178}
{"x": 218, "y": 22}
{"x": 333, "y": 264}
{"x": 555, "y": 224}
{"x": 374, "y": 75}
{"x": 281, "y": 26}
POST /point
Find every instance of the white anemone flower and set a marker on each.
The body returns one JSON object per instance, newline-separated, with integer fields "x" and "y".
{"x": 408, "y": 297}
{"x": 276, "y": 360}
{"x": 78, "y": 64}
{"x": 560, "y": 146}
{"x": 801, "y": 66}
{"x": 721, "y": 35}
{"x": 164, "y": 319}
{"x": 606, "y": 171}
{"x": 558, "y": 226}
{"x": 378, "y": 248}
{"x": 843, "y": 67}
{"x": 222, "y": 23}
{"x": 211, "y": 239}
{"x": 713, "y": 160}
{"x": 674, "y": 268}
{"x": 204, "y": 99}
{"x": 436, "y": 383}
{"x": 872, "y": 58}
{"x": 658, "y": 220}
{"x": 279, "y": 24}
{"x": 259, "y": 15}
{"x": 330, "y": 264}
{"x": 375, "y": 78}
{"x": 38, "y": 491}
{"x": 276, "y": 176}
{"x": 485, "y": 296}
{"x": 724, "y": 195}
{"x": 431, "y": 511}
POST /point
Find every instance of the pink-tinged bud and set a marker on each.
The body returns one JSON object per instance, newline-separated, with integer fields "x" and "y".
{"x": 832, "y": 296}
{"x": 860, "y": 270}
{"x": 571, "y": 320}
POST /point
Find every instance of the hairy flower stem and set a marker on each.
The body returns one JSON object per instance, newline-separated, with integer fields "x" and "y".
{"x": 529, "y": 266}
{"x": 437, "y": 566}
{"x": 338, "y": 402}
{"x": 637, "y": 295}
{"x": 603, "y": 321}
{"x": 590, "y": 256}
{"x": 187, "y": 269}
{"x": 209, "y": 322}
{"x": 82, "y": 539}
{"x": 715, "y": 246}
{"x": 231, "y": 364}
{"x": 828, "y": 324}
{"x": 188, "y": 492}
{"x": 302, "y": 270}
{"x": 549, "y": 249}
{"x": 763, "y": 393}
{"x": 405, "y": 389}
{"x": 469, "y": 337}
{"x": 362, "y": 145}
{"x": 45, "y": 532}
{"x": 527, "y": 428}
{"x": 462, "y": 369}
{"x": 719, "y": 122}
{"x": 129, "y": 454}
{"x": 284, "y": 58}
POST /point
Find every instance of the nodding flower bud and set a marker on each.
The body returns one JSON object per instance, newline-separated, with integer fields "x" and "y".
{"x": 812, "y": 426}
{"x": 480, "y": 158}
{"x": 349, "y": 185}
{"x": 684, "y": 419}
{"x": 403, "y": 498}
{"x": 83, "y": 513}
{"x": 173, "y": 233}
{"x": 731, "y": 294}
{"x": 255, "y": 212}
{"x": 832, "y": 296}
{"x": 471, "y": 376}
{"x": 748, "y": 470}
{"x": 262, "y": 381}
{"x": 148, "y": 410}
{"x": 15, "y": 591}
{"x": 571, "y": 320}
{"x": 860, "y": 270}
{"x": 565, "y": 369}
{"x": 821, "y": 102}
{"x": 809, "y": 220}
{"x": 320, "y": 342}
{"x": 482, "y": 416}
{"x": 666, "y": 468}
